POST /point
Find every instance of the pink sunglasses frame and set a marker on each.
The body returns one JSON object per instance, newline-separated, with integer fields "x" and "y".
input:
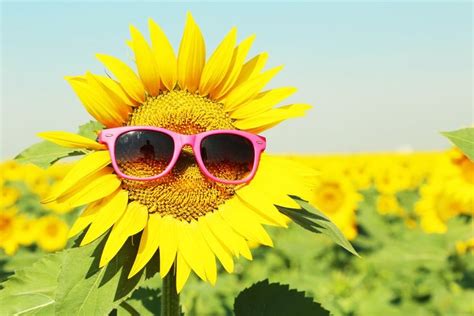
{"x": 109, "y": 138}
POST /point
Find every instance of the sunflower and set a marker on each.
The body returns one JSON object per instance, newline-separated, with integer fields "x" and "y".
{"x": 189, "y": 219}
{"x": 436, "y": 206}
{"x": 460, "y": 182}
{"x": 8, "y": 236}
{"x": 52, "y": 233}
{"x": 335, "y": 195}
{"x": 387, "y": 204}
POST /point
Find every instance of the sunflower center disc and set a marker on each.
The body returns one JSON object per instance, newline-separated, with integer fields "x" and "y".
{"x": 185, "y": 193}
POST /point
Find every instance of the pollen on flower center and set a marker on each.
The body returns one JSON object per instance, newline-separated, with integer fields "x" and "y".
{"x": 181, "y": 112}
{"x": 185, "y": 193}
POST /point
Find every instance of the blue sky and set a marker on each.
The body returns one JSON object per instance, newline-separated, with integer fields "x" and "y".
{"x": 381, "y": 75}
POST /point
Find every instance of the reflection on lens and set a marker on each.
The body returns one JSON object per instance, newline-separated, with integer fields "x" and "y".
{"x": 143, "y": 154}
{"x": 227, "y": 156}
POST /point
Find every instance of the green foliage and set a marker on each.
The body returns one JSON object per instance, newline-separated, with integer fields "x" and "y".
{"x": 317, "y": 222}
{"x": 23, "y": 258}
{"x": 464, "y": 139}
{"x": 90, "y": 129}
{"x": 144, "y": 302}
{"x": 401, "y": 270}
{"x": 32, "y": 290}
{"x": 264, "y": 298}
{"x": 45, "y": 153}
{"x": 70, "y": 282}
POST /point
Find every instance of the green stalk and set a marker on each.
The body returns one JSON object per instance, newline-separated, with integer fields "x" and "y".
{"x": 169, "y": 295}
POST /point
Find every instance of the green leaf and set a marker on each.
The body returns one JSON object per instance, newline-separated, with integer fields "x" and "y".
{"x": 86, "y": 289}
{"x": 46, "y": 153}
{"x": 90, "y": 129}
{"x": 33, "y": 289}
{"x": 143, "y": 302}
{"x": 464, "y": 139}
{"x": 264, "y": 298}
{"x": 317, "y": 222}
{"x": 23, "y": 258}
{"x": 70, "y": 282}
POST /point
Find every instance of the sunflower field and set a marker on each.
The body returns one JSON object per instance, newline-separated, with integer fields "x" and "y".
{"x": 167, "y": 202}
{"x": 409, "y": 216}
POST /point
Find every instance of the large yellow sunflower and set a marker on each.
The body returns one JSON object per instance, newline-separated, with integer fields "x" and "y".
{"x": 189, "y": 219}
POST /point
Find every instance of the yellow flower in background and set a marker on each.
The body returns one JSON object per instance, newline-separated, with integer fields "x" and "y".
{"x": 421, "y": 165}
{"x": 357, "y": 170}
{"x": 52, "y": 233}
{"x": 188, "y": 218}
{"x": 10, "y": 170}
{"x": 18, "y": 227}
{"x": 390, "y": 177}
{"x": 387, "y": 204}
{"x": 58, "y": 171}
{"x": 8, "y": 196}
{"x": 436, "y": 207}
{"x": 26, "y": 230}
{"x": 465, "y": 246}
{"x": 336, "y": 196}
{"x": 460, "y": 183}
{"x": 8, "y": 241}
{"x": 36, "y": 179}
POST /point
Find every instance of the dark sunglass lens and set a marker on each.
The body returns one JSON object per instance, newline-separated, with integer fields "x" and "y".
{"x": 228, "y": 156}
{"x": 143, "y": 154}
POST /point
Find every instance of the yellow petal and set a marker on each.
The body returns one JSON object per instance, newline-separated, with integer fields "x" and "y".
{"x": 263, "y": 128}
{"x": 276, "y": 198}
{"x": 113, "y": 106}
{"x": 222, "y": 253}
{"x": 164, "y": 55}
{"x": 91, "y": 189}
{"x": 85, "y": 219}
{"x": 204, "y": 253}
{"x": 292, "y": 178}
{"x": 238, "y": 58}
{"x": 111, "y": 209}
{"x": 264, "y": 102}
{"x": 215, "y": 69}
{"x": 191, "y": 56}
{"x": 125, "y": 75}
{"x": 227, "y": 236}
{"x": 168, "y": 244}
{"x": 244, "y": 222}
{"x": 71, "y": 140}
{"x": 117, "y": 89}
{"x": 260, "y": 203}
{"x": 244, "y": 249}
{"x": 189, "y": 247}
{"x": 92, "y": 97}
{"x": 149, "y": 243}
{"x": 182, "y": 272}
{"x": 251, "y": 68}
{"x": 132, "y": 222}
{"x": 146, "y": 63}
{"x": 272, "y": 116}
{"x": 85, "y": 167}
{"x": 248, "y": 90}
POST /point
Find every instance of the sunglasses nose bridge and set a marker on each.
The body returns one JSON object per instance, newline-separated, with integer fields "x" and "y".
{"x": 188, "y": 140}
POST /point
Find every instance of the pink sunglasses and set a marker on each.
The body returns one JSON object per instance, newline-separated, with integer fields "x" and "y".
{"x": 146, "y": 153}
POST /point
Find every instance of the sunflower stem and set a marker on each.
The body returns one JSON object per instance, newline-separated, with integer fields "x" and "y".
{"x": 169, "y": 296}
